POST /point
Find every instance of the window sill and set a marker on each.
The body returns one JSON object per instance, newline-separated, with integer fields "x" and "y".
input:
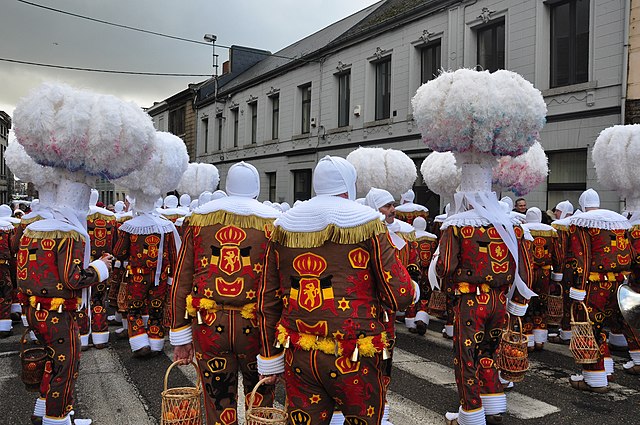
{"x": 340, "y": 129}
{"x": 301, "y": 136}
{"x": 570, "y": 89}
{"x": 270, "y": 142}
{"x": 386, "y": 121}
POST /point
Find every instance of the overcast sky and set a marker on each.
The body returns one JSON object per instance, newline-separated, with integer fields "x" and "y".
{"x": 29, "y": 33}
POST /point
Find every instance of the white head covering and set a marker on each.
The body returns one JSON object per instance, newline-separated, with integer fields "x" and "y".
{"x": 285, "y": 206}
{"x": 35, "y": 205}
{"x": 504, "y": 206}
{"x": 170, "y": 201}
{"x": 218, "y": 194}
{"x": 420, "y": 223}
{"x": 204, "y": 197}
{"x": 589, "y": 199}
{"x": 566, "y": 207}
{"x": 361, "y": 201}
{"x": 508, "y": 201}
{"x": 243, "y": 180}
{"x": 534, "y": 215}
{"x": 119, "y": 207}
{"x": 185, "y": 200}
{"x": 377, "y": 198}
{"x": 93, "y": 200}
{"x": 157, "y": 204}
{"x": 408, "y": 197}
{"x": 333, "y": 176}
{"x": 193, "y": 205}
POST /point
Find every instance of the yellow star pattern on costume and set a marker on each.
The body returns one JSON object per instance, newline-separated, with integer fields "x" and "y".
{"x": 489, "y": 278}
{"x": 55, "y": 394}
{"x": 343, "y": 304}
{"x": 606, "y": 249}
{"x": 373, "y": 311}
{"x": 54, "y": 320}
{"x": 470, "y": 303}
{"x": 387, "y": 276}
{"x": 251, "y": 294}
{"x": 257, "y": 268}
{"x": 208, "y": 292}
{"x": 370, "y": 411}
{"x": 613, "y": 265}
{"x": 199, "y": 356}
{"x": 204, "y": 262}
{"x": 338, "y": 335}
{"x": 278, "y": 292}
{"x": 315, "y": 399}
{"x": 470, "y": 381}
{"x": 59, "y": 286}
{"x": 467, "y": 342}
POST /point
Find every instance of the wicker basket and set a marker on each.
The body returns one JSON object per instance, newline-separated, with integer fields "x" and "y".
{"x": 33, "y": 361}
{"x": 263, "y": 415}
{"x": 555, "y": 305}
{"x": 181, "y": 405}
{"x": 123, "y": 305}
{"x": 583, "y": 344}
{"x": 512, "y": 355}
{"x": 437, "y": 303}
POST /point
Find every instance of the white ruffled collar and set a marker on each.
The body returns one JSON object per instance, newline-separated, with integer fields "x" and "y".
{"x": 601, "y": 219}
{"x": 170, "y": 211}
{"x": 145, "y": 225}
{"x": 423, "y": 234}
{"x": 51, "y": 225}
{"x": 473, "y": 219}
{"x": 399, "y": 226}
{"x": 93, "y": 209}
{"x": 411, "y": 207}
{"x": 538, "y": 226}
{"x": 323, "y": 210}
{"x": 42, "y": 213}
{"x": 440, "y": 218}
{"x": 239, "y": 205}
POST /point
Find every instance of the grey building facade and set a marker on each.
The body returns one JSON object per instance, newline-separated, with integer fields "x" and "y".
{"x": 351, "y": 85}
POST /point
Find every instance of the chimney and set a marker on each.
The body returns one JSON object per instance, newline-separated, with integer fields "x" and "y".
{"x": 226, "y": 67}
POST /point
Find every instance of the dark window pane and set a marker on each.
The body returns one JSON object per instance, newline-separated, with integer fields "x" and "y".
{"x": 569, "y": 43}
{"x": 306, "y": 109}
{"x": 383, "y": 89}
{"x": 220, "y": 132}
{"x": 254, "y": 122}
{"x": 275, "y": 116}
{"x": 301, "y": 185}
{"x": 235, "y": 128}
{"x": 344, "y": 93}
{"x": 205, "y": 127}
{"x": 491, "y": 47}
{"x": 430, "y": 62}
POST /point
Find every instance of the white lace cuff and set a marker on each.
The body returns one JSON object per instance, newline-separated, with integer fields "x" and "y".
{"x": 101, "y": 268}
{"x": 577, "y": 294}
{"x": 272, "y": 365}
{"x": 180, "y": 336}
{"x": 556, "y": 277}
{"x": 516, "y": 309}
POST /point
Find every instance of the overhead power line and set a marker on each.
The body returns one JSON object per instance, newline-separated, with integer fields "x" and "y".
{"x": 159, "y": 34}
{"x": 108, "y": 71}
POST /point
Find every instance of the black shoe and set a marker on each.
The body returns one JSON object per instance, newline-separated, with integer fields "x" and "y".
{"x": 101, "y": 346}
{"x": 142, "y": 352}
{"x": 421, "y": 327}
{"x": 36, "y": 420}
{"x": 6, "y": 334}
{"x": 494, "y": 419}
{"x": 16, "y": 317}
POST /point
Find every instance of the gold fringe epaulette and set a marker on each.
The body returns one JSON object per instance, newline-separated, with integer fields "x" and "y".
{"x": 124, "y": 218}
{"x": 172, "y": 217}
{"x": 426, "y": 238}
{"x": 544, "y": 233}
{"x": 27, "y": 221}
{"x": 98, "y": 215}
{"x": 332, "y": 233}
{"x": 560, "y": 227}
{"x": 407, "y": 236}
{"x": 225, "y": 217}
{"x": 53, "y": 234}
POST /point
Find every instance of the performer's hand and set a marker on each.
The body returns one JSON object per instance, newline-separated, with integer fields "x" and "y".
{"x": 183, "y": 353}
{"x": 272, "y": 379}
{"x": 107, "y": 259}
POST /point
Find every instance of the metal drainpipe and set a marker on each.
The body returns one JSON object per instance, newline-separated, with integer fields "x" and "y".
{"x": 625, "y": 60}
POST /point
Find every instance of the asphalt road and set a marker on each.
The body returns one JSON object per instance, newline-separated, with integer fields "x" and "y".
{"x": 115, "y": 388}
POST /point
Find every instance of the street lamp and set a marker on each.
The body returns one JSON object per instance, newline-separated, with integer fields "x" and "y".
{"x": 210, "y": 38}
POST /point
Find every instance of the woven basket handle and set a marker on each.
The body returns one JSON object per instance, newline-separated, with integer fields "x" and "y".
{"x": 586, "y": 313}
{"x": 192, "y": 363}
{"x": 252, "y": 394}
{"x": 510, "y": 325}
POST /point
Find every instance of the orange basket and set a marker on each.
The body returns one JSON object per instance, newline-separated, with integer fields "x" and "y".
{"x": 583, "y": 344}
{"x": 555, "y": 306}
{"x": 33, "y": 361}
{"x": 181, "y": 405}
{"x": 512, "y": 355}
{"x": 437, "y": 303}
{"x": 256, "y": 415}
